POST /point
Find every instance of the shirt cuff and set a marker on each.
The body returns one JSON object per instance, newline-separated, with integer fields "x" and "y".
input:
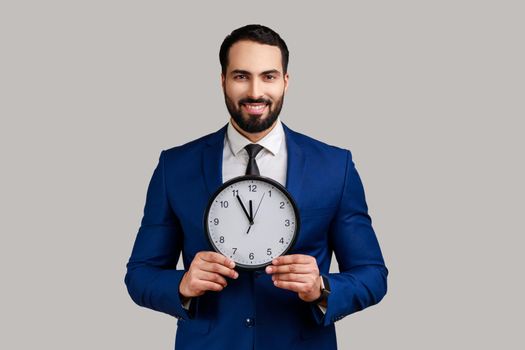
{"x": 186, "y": 302}
{"x": 322, "y": 308}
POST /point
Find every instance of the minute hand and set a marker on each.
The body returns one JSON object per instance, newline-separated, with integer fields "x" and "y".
{"x": 245, "y": 211}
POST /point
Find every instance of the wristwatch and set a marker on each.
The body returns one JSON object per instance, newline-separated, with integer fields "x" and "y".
{"x": 325, "y": 289}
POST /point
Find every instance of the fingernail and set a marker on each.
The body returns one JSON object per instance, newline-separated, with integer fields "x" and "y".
{"x": 235, "y": 275}
{"x": 268, "y": 269}
{"x": 274, "y": 261}
{"x": 232, "y": 264}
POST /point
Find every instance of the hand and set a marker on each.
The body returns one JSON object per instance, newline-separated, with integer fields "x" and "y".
{"x": 207, "y": 272}
{"x": 298, "y": 273}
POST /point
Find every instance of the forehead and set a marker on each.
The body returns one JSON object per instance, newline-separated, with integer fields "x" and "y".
{"x": 254, "y": 57}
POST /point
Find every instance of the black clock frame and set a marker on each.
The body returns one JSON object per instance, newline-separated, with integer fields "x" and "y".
{"x": 248, "y": 178}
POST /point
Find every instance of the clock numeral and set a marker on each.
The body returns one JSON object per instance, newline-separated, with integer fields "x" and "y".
{"x": 251, "y": 256}
{"x": 252, "y": 188}
{"x": 281, "y": 205}
{"x": 224, "y": 204}
{"x": 235, "y": 193}
{"x": 286, "y": 222}
{"x": 234, "y": 250}
{"x": 216, "y": 221}
{"x": 269, "y": 251}
{"x": 281, "y": 240}
{"x": 269, "y": 193}
{"x": 221, "y": 239}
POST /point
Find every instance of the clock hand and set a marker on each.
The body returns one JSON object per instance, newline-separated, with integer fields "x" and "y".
{"x": 244, "y": 209}
{"x": 256, "y": 211}
{"x": 251, "y": 217}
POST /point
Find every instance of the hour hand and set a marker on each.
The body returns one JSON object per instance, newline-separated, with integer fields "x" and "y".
{"x": 245, "y": 211}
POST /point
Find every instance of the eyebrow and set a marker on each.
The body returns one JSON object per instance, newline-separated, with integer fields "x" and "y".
{"x": 245, "y": 72}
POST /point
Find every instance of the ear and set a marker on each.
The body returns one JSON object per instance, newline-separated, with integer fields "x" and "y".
{"x": 286, "y": 77}
{"x": 223, "y": 81}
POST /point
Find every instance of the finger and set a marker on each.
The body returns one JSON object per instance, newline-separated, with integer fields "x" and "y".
{"x": 207, "y": 285}
{"x": 293, "y": 259}
{"x": 214, "y": 257}
{"x": 211, "y": 277}
{"x": 297, "y": 287}
{"x": 293, "y": 277}
{"x": 219, "y": 269}
{"x": 292, "y": 268}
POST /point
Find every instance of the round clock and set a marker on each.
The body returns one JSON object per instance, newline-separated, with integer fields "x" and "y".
{"x": 252, "y": 220}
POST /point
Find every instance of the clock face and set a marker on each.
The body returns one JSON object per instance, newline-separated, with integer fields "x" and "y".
{"x": 252, "y": 220}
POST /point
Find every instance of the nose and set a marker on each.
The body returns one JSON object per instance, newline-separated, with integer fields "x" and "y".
{"x": 254, "y": 91}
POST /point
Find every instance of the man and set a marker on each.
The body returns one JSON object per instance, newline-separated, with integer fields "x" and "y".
{"x": 295, "y": 301}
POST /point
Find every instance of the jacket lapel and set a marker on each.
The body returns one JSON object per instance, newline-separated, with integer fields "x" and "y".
{"x": 296, "y": 165}
{"x": 212, "y": 160}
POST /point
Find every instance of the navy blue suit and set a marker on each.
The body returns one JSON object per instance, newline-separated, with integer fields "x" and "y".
{"x": 251, "y": 313}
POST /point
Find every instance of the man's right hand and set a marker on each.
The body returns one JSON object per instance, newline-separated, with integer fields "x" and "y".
{"x": 207, "y": 272}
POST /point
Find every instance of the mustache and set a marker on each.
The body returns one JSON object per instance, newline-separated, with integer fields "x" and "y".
{"x": 251, "y": 100}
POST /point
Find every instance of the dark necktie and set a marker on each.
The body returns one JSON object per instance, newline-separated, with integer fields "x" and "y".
{"x": 252, "y": 149}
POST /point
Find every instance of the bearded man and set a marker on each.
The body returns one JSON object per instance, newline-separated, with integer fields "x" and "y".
{"x": 294, "y": 302}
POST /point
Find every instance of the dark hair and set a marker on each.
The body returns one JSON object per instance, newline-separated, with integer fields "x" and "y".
{"x": 257, "y": 33}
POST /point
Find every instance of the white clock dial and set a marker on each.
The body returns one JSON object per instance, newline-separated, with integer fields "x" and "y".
{"x": 252, "y": 220}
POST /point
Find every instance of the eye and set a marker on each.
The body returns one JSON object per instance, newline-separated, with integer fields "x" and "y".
{"x": 239, "y": 77}
{"x": 270, "y": 77}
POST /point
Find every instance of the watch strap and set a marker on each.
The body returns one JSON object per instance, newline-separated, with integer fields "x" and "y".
{"x": 325, "y": 290}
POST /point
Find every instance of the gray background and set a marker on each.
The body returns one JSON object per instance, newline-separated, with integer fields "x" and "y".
{"x": 427, "y": 95}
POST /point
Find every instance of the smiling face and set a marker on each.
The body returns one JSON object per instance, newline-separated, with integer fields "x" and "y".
{"x": 254, "y": 86}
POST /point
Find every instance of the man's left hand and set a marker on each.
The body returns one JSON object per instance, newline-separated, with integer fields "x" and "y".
{"x": 298, "y": 273}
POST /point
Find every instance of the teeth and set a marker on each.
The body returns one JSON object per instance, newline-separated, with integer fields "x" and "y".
{"x": 256, "y": 107}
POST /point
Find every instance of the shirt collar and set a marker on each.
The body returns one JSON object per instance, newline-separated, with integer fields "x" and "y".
{"x": 272, "y": 141}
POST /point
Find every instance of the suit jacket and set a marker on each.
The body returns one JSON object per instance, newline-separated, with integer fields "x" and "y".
{"x": 251, "y": 313}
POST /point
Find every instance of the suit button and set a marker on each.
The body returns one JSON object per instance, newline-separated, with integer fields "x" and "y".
{"x": 249, "y": 322}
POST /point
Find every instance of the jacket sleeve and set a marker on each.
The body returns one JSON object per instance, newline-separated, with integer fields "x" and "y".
{"x": 152, "y": 279}
{"x": 362, "y": 280}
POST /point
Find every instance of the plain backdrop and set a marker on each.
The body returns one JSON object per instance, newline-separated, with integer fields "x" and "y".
{"x": 428, "y": 95}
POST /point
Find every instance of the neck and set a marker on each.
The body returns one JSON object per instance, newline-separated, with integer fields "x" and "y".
{"x": 253, "y": 137}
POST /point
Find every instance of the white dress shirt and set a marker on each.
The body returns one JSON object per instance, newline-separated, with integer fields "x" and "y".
{"x": 271, "y": 160}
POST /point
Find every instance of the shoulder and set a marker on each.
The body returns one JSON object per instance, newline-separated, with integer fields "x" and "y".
{"x": 192, "y": 148}
{"x": 314, "y": 147}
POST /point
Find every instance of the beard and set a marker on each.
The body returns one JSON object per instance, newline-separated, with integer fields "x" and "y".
{"x": 253, "y": 123}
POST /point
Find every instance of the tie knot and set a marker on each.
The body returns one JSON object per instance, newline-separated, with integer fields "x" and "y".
{"x": 253, "y": 149}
